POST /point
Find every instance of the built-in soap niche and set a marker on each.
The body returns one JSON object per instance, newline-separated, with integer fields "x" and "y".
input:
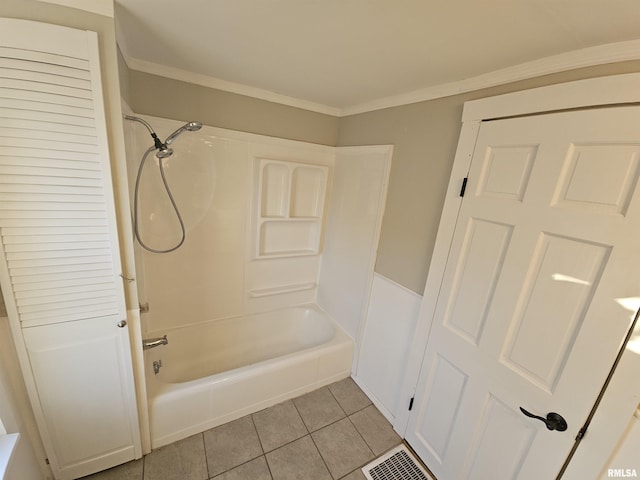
{"x": 291, "y": 200}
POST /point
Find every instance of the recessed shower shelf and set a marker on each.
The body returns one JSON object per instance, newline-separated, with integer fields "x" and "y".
{"x": 290, "y": 205}
{"x": 289, "y": 237}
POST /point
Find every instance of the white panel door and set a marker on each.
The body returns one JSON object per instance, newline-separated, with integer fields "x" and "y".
{"x": 83, "y": 375}
{"x": 531, "y": 310}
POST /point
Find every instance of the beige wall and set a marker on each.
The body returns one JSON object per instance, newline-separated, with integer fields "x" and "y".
{"x": 164, "y": 97}
{"x": 123, "y": 77}
{"x": 425, "y": 136}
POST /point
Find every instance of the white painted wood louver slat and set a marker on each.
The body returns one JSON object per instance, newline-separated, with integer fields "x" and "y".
{"x": 46, "y": 162}
{"x": 40, "y": 106}
{"x": 44, "y": 135}
{"x": 56, "y": 249}
{"x": 62, "y": 290}
{"x": 42, "y": 116}
{"x": 52, "y": 154}
{"x": 79, "y": 312}
{"x": 50, "y": 239}
{"x": 39, "y": 57}
{"x": 49, "y": 189}
{"x": 32, "y": 263}
{"x": 40, "y": 281}
{"x": 72, "y": 74}
{"x": 13, "y": 72}
{"x": 57, "y": 224}
{"x": 49, "y": 144}
{"x": 35, "y": 126}
{"x": 23, "y": 85}
{"x": 35, "y": 232}
{"x": 42, "y": 96}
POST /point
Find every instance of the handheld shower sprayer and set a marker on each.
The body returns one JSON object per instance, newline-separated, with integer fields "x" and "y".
{"x": 187, "y": 127}
{"x": 162, "y": 151}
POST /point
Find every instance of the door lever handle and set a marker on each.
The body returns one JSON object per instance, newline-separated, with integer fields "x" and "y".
{"x": 554, "y": 421}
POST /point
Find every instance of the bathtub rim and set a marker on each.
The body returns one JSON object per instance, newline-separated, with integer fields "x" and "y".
{"x": 155, "y": 386}
{"x": 310, "y": 305}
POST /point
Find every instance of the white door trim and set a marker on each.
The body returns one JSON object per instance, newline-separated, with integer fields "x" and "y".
{"x": 615, "y": 90}
{"x": 612, "y": 90}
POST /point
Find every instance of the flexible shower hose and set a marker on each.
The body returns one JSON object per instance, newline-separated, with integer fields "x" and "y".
{"x": 173, "y": 202}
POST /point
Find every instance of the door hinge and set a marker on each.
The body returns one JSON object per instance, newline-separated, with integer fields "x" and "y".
{"x": 581, "y": 433}
{"x": 46, "y": 460}
{"x": 464, "y": 186}
{"x": 411, "y": 402}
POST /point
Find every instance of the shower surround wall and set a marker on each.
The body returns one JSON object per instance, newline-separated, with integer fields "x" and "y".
{"x": 255, "y": 210}
{"x": 215, "y": 273}
{"x": 265, "y": 231}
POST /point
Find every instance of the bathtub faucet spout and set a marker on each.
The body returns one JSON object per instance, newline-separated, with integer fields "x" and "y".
{"x": 154, "y": 342}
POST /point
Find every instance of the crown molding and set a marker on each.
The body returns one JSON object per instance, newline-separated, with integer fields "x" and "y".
{"x": 219, "y": 84}
{"x": 586, "y": 57}
{"x": 101, "y": 7}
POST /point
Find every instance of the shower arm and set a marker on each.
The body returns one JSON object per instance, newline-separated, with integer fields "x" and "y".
{"x": 156, "y": 141}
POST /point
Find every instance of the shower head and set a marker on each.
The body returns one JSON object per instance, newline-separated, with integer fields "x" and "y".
{"x": 187, "y": 127}
{"x": 163, "y": 148}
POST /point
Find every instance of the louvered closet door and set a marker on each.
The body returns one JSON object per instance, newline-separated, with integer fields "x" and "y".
{"x": 55, "y": 191}
{"x": 59, "y": 258}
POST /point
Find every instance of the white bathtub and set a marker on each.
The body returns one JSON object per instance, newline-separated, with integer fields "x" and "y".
{"x": 218, "y": 371}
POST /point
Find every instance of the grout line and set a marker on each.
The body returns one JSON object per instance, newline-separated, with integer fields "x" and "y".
{"x": 300, "y": 415}
{"x": 241, "y": 464}
{"x": 206, "y": 460}
{"x": 361, "y": 409}
{"x": 310, "y": 432}
{"x": 268, "y": 466}
{"x": 337, "y": 401}
{"x": 363, "y": 439}
{"x": 359, "y": 389}
{"x": 264, "y": 453}
{"x": 351, "y": 421}
{"x": 321, "y": 457}
{"x": 255, "y": 429}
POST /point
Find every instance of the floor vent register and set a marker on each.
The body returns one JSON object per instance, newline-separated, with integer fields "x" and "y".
{"x": 396, "y": 464}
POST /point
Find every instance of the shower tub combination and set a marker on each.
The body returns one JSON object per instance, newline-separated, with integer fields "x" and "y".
{"x": 217, "y": 371}
{"x": 237, "y": 301}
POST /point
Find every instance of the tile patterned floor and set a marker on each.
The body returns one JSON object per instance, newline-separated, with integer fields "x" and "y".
{"x": 328, "y": 434}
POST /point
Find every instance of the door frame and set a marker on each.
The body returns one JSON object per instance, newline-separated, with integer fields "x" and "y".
{"x": 619, "y": 403}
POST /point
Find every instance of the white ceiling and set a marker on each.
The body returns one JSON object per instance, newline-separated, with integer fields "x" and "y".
{"x": 343, "y": 56}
